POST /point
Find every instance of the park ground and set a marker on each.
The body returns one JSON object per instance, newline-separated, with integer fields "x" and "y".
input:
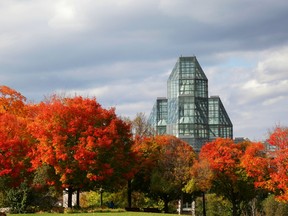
{"x": 98, "y": 213}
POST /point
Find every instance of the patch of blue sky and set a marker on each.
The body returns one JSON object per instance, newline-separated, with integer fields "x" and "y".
{"x": 239, "y": 62}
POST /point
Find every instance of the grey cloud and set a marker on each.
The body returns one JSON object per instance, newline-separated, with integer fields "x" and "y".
{"x": 123, "y": 51}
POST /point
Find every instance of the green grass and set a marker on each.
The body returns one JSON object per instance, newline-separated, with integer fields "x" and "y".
{"x": 98, "y": 213}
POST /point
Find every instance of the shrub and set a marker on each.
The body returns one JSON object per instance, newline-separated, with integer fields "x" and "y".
{"x": 18, "y": 199}
{"x": 273, "y": 208}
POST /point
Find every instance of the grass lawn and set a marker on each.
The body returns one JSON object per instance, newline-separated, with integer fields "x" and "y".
{"x": 98, "y": 213}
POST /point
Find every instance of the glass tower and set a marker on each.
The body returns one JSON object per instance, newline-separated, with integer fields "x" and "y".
{"x": 187, "y": 114}
{"x": 220, "y": 124}
{"x": 158, "y": 116}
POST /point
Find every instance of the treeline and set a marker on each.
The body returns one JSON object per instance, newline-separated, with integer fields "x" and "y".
{"x": 74, "y": 144}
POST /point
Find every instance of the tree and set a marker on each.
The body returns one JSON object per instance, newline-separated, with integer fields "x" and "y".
{"x": 15, "y": 141}
{"x": 278, "y": 182}
{"x": 201, "y": 181}
{"x": 256, "y": 164}
{"x": 166, "y": 162}
{"x": 229, "y": 177}
{"x": 279, "y": 137}
{"x": 140, "y": 127}
{"x": 11, "y": 101}
{"x": 272, "y": 207}
{"x": 269, "y": 168}
{"x": 84, "y": 143}
{"x": 14, "y": 150}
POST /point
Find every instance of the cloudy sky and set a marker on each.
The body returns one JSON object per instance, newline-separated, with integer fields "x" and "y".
{"x": 122, "y": 52}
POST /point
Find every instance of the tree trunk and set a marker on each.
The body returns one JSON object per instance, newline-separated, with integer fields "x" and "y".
{"x": 78, "y": 198}
{"x": 129, "y": 194}
{"x": 70, "y": 194}
{"x": 166, "y": 202}
{"x": 101, "y": 197}
{"x": 181, "y": 204}
{"x": 235, "y": 208}
{"x": 193, "y": 206}
{"x": 204, "y": 203}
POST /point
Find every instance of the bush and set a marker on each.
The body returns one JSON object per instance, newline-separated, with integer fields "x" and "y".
{"x": 273, "y": 208}
{"x": 45, "y": 199}
{"x": 215, "y": 206}
{"x": 18, "y": 199}
{"x": 25, "y": 199}
{"x": 2, "y": 199}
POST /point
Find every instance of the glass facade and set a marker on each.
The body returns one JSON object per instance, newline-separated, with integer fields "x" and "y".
{"x": 187, "y": 111}
{"x": 158, "y": 116}
{"x": 220, "y": 124}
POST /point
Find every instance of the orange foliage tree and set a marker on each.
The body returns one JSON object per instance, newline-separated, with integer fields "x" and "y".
{"x": 256, "y": 164}
{"x": 165, "y": 163}
{"x": 84, "y": 143}
{"x": 200, "y": 182}
{"x": 229, "y": 177}
{"x": 11, "y": 101}
{"x": 278, "y": 182}
{"x": 269, "y": 167}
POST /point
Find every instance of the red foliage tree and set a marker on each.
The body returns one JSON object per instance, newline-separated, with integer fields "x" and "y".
{"x": 279, "y": 164}
{"x": 279, "y": 137}
{"x": 229, "y": 177}
{"x": 83, "y": 142}
{"x": 269, "y": 168}
{"x": 256, "y": 164}
{"x": 14, "y": 138}
{"x": 14, "y": 149}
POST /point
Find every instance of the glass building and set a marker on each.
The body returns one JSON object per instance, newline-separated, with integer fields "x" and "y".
{"x": 219, "y": 121}
{"x": 158, "y": 116}
{"x": 188, "y": 112}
